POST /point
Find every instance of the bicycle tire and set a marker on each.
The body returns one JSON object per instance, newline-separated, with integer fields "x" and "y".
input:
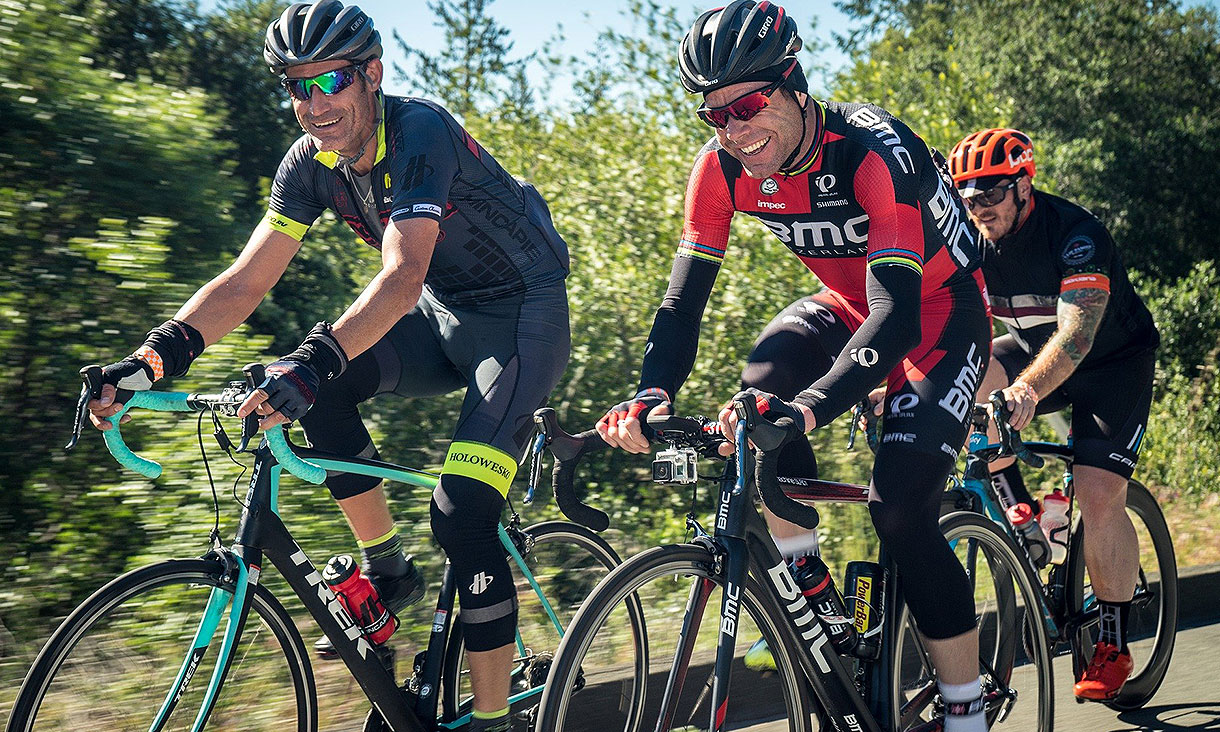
{"x": 1160, "y": 612}
{"x": 103, "y": 666}
{"x": 567, "y": 560}
{"x": 576, "y": 673}
{"x": 1007, "y": 627}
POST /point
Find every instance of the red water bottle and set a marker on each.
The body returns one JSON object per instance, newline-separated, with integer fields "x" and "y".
{"x": 359, "y": 598}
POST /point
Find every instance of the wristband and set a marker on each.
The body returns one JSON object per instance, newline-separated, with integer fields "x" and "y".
{"x": 170, "y": 348}
{"x": 322, "y": 352}
{"x": 653, "y": 391}
{"x": 1029, "y": 390}
{"x": 146, "y": 354}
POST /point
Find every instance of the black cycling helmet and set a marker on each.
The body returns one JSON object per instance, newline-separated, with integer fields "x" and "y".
{"x": 745, "y": 41}
{"x": 324, "y": 31}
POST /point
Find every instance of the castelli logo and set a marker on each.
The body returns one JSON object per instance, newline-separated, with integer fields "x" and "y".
{"x": 769, "y": 187}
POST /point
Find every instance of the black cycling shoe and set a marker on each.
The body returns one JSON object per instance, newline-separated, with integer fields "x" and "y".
{"x": 396, "y": 594}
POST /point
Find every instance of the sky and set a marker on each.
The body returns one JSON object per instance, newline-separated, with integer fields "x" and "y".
{"x": 532, "y": 23}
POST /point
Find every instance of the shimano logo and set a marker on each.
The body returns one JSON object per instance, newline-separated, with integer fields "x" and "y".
{"x": 832, "y": 202}
{"x": 333, "y": 606}
{"x": 961, "y": 395}
{"x": 772, "y": 205}
{"x": 802, "y": 614}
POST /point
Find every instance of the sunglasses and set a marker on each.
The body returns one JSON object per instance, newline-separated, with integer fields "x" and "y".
{"x": 744, "y": 107}
{"x": 989, "y": 197}
{"x": 331, "y": 82}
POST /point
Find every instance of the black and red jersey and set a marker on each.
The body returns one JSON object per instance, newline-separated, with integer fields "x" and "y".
{"x": 1060, "y": 247}
{"x": 873, "y": 197}
{"x": 496, "y": 236}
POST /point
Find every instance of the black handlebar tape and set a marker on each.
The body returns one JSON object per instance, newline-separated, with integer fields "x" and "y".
{"x": 1010, "y": 439}
{"x": 765, "y": 475}
{"x": 568, "y": 451}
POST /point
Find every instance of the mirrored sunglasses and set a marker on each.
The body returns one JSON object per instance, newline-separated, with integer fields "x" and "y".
{"x": 989, "y": 197}
{"x": 330, "y": 82}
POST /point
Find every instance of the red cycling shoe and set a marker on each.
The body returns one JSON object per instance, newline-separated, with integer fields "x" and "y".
{"x": 1106, "y": 674}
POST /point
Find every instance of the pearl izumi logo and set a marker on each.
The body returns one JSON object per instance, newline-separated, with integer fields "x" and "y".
{"x": 482, "y": 581}
{"x": 866, "y": 357}
{"x": 825, "y": 183}
{"x": 769, "y": 187}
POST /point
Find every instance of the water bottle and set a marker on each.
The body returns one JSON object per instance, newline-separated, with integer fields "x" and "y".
{"x": 1021, "y": 516}
{"x": 815, "y": 582}
{"x": 1055, "y": 521}
{"x": 359, "y": 598}
{"x": 865, "y": 583}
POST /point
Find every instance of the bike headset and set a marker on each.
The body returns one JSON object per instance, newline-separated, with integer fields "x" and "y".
{"x": 999, "y": 152}
{"x": 743, "y": 42}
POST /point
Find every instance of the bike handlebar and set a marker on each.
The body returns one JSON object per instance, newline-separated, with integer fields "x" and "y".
{"x": 769, "y": 438}
{"x": 168, "y": 401}
{"x": 1010, "y": 439}
{"x": 568, "y": 451}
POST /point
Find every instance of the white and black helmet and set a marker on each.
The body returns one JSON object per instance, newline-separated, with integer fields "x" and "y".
{"x": 325, "y": 31}
{"x": 744, "y": 41}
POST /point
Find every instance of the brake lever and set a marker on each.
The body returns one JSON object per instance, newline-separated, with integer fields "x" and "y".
{"x": 540, "y": 442}
{"x": 255, "y": 374}
{"x": 857, "y": 413}
{"x": 91, "y": 388}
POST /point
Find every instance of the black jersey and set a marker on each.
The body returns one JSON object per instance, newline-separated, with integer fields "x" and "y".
{"x": 496, "y": 237}
{"x": 1062, "y": 246}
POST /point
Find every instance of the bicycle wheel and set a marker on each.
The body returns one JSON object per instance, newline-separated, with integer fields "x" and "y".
{"x": 1014, "y": 651}
{"x": 112, "y": 663}
{"x": 567, "y": 561}
{"x": 586, "y": 689}
{"x": 1153, "y": 622}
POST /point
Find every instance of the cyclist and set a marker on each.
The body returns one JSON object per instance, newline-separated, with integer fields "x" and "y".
{"x": 471, "y": 294}
{"x": 1078, "y": 335}
{"x": 864, "y": 203}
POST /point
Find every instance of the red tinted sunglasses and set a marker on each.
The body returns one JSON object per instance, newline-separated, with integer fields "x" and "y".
{"x": 744, "y": 107}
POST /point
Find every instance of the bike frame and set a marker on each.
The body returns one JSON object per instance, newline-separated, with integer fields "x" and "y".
{"x": 262, "y": 534}
{"x": 743, "y": 544}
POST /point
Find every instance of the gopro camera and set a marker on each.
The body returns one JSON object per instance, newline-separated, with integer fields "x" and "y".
{"x": 675, "y": 466}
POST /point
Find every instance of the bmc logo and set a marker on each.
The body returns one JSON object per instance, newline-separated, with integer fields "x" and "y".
{"x": 821, "y": 234}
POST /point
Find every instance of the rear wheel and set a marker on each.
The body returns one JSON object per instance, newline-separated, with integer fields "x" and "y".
{"x": 121, "y": 656}
{"x": 594, "y": 680}
{"x": 1014, "y": 651}
{"x": 567, "y": 561}
{"x": 1153, "y": 621}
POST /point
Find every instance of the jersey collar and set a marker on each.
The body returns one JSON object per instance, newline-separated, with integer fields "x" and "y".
{"x": 330, "y": 158}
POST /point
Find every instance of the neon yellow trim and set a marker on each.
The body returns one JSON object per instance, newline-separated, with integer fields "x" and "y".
{"x": 684, "y": 252}
{"x": 481, "y": 462}
{"x": 897, "y": 260}
{"x": 490, "y": 715}
{"x": 330, "y": 158}
{"x": 379, "y": 540}
{"x": 285, "y": 225}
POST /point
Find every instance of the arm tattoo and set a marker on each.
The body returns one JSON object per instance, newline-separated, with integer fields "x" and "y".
{"x": 1080, "y": 312}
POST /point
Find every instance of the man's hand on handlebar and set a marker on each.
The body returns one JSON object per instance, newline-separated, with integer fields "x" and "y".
{"x": 130, "y": 374}
{"x": 769, "y": 406}
{"x": 621, "y": 427}
{"x": 1021, "y": 401}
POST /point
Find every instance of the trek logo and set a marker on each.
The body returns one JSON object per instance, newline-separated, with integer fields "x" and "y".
{"x": 961, "y": 395}
{"x": 482, "y": 462}
{"x": 333, "y": 606}
{"x": 884, "y": 131}
{"x": 416, "y": 171}
{"x": 766, "y": 26}
{"x": 821, "y": 235}
{"x": 732, "y": 608}
{"x": 825, "y": 182}
{"x": 801, "y": 613}
{"x": 901, "y": 405}
{"x": 769, "y": 187}
{"x": 772, "y": 205}
{"x": 192, "y": 667}
{"x": 866, "y": 357}
{"x": 482, "y": 581}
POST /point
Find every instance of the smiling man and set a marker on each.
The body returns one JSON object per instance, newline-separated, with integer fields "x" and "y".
{"x": 1078, "y": 335}
{"x": 870, "y": 210}
{"x": 470, "y": 296}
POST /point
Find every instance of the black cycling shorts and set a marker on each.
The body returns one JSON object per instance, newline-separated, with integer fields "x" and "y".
{"x": 1109, "y": 401}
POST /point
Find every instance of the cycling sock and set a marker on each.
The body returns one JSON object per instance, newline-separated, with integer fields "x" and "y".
{"x": 496, "y": 721}
{"x": 384, "y": 555}
{"x": 792, "y": 548}
{"x": 1113, "y": 616}
{"x": 963, "y": 706}
{"x": 1011, "y": 487}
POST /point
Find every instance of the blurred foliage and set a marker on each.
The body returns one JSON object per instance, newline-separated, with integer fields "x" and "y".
{"x": 139, "y": 137}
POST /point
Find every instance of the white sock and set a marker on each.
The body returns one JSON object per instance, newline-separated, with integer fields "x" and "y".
{"x": 963, "y": 693}
{"x": 792, "y": 548}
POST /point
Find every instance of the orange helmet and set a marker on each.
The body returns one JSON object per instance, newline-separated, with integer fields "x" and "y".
{"x": 990, "y": 153}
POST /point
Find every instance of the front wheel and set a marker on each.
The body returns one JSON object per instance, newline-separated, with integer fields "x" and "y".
{"x": 1153, "y": 622}
{"x": 120, "y": 659}
{"x": 567, "y": 561}
{"x": 1014, "y": 650}
{"x": 680, "y": 588}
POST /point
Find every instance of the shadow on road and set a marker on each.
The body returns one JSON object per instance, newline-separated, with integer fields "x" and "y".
{"x": 1170, "y": 717}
